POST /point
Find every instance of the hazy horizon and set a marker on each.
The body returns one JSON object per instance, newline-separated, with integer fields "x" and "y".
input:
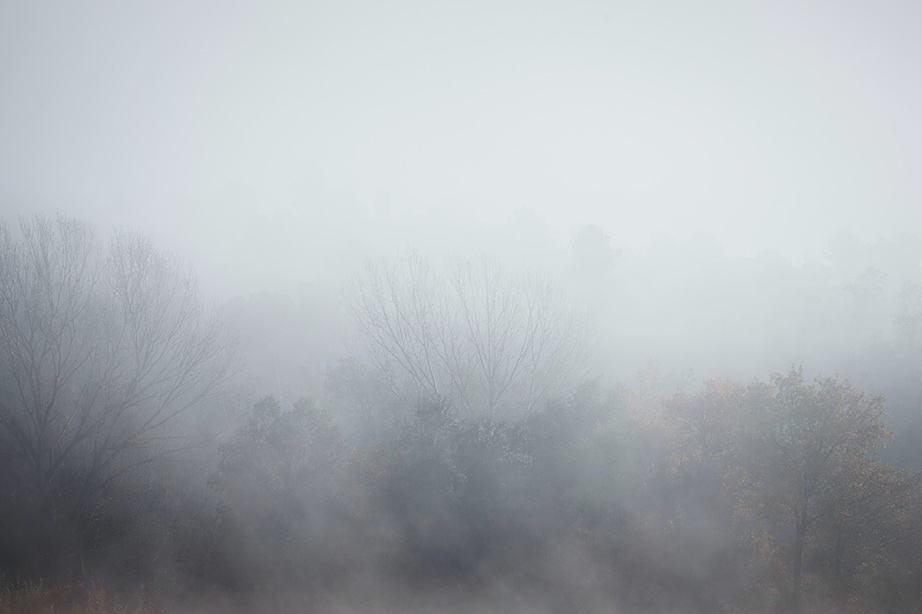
{"x": 251, "y": 137}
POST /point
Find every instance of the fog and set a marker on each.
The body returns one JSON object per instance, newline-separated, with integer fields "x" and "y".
{"x": 506, "y": 306}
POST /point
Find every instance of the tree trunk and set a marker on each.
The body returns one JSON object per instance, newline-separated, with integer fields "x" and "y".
{"x": 797, "y": 564}
{"x": 841, "y": 587}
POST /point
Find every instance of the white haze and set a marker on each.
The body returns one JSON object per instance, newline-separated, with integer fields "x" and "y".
{"x": 277, "y": 143}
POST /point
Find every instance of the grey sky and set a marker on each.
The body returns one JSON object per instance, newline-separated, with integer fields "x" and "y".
{"x": 233, "y": 131}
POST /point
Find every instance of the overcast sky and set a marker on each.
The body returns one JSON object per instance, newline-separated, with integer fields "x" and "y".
{"x": 235, "y": 130}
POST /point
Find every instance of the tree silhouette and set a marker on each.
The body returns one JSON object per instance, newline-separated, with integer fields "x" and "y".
{"x": 101, "y": 352}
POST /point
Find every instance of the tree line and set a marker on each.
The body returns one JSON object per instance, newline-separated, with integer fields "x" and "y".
{"x": 489, "y": 468}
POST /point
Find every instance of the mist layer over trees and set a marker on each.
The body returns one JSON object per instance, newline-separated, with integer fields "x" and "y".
{"x": 668, "y": 430}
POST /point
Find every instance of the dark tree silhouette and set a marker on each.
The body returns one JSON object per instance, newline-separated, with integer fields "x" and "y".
{"x": 101, "y": 352}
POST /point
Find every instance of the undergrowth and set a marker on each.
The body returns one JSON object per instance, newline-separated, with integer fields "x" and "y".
{"x": 89, "y": 597}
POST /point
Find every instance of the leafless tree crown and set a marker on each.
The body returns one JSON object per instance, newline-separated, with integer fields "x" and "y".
{"x": 100, "y": 352}
{"x": 487, "y": 339}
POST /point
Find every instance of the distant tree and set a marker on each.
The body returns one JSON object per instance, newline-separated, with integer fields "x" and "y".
{"x": 101, "y": 353}
{"x": 473, "y": 333}
{"x": 592, "y": 272}
{"x": 909, "y": 314}
{"x": 593, "y": 252}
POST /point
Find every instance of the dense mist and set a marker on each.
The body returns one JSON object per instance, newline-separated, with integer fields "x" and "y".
{"x": 461, "y": 307}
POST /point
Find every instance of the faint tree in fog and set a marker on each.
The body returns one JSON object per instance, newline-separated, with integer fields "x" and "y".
{"x": 356, "y": 391}
{"x": 593, "y": 270}
{"x": 100, "y": 353}
{"x": 909, "y": 315}
{"x": 473, "y": 332}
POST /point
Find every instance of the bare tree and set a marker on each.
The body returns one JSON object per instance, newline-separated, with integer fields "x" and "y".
{"x": 101, "y": 351}
{"x": 486, "y": 339}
